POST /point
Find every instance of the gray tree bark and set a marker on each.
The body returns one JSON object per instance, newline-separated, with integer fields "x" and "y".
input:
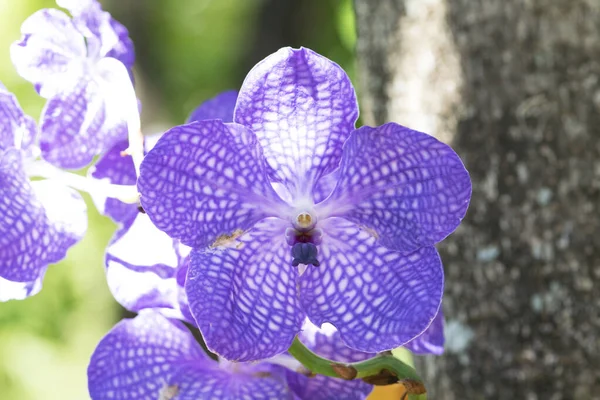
{"x": 514, "y": 87}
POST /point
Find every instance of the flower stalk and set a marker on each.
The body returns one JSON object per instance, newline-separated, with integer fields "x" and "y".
{"x": 379, "y": 370}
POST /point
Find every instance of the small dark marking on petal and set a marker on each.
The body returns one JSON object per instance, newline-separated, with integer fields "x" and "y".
{"x": 227, "y": 240}
{"x": 168, "y": 392}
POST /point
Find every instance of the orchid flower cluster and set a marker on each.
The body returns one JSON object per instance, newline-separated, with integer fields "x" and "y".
{"x": 267, "y": 223}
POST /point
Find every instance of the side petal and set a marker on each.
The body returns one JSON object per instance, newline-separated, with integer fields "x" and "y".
{"x": 118, "y": 169}
{"x": 39, "y": 221}
{"x": 377, "y": 298}
{"x": 302, "y": 107}
{"x": 243, "y": 294}
{"x": 405, "y": 187}
{"x": 49, "y": 45}
{"x": 219, "y": 107}
{"x": 206, "y": 181}
{"x": 10, "y": 290}
{"x": 152, "y": 357}
{"x": 16, "y": 128}
{"x": 142, "y": 265}
{"x": 432, "y": 340}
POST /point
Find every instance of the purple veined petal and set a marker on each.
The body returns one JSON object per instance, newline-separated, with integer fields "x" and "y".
{"x": 39, "y": 221}
{"x": 326, "y": 342}
{"x": 205, "y": 182}
{"x": 243, "y": 294}
{"x": 302, "y": 107}
{"x": 77, "y": 124}
{"x": 219, "y": 107}
{"x": 432, "y": 340}
{"x": 152, "y": 357}
{"x": 141, "y": 269}
{"x": 377, "y": 298}
{"x": 325, "y": 186}
{"x": 10, "y": 290}
{"x": 49, "y": 47}
{"x": 404, "y": 187}
{"x": 16, "y": 128}
{"x": 115, "y": 168}
{"x": 105, "y": 36}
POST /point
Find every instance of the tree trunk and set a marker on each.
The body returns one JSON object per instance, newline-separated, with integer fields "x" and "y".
{"x": 514, "y": 87}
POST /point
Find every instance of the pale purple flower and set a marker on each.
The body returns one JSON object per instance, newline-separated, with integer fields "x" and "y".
{"x": 39, "y": 220}
{"x": 145, "y": 268}
{"x": 80, "y": 65}
{"x": 292, "y": 212}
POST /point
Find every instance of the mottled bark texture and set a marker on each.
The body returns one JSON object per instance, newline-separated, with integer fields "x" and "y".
{"x": 522, "y": 109}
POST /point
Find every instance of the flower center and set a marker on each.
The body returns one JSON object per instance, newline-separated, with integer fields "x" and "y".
{"x": 304, "y": 238}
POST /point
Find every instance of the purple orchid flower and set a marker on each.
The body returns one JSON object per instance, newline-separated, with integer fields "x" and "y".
{"x": 145, "y": 268}
{"x": 246, "y": 196}
{"x": 80, "y": 65}
{"x": 39, "y": 220}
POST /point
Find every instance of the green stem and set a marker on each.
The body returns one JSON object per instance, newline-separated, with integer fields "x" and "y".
{"x": 383, "y": 369}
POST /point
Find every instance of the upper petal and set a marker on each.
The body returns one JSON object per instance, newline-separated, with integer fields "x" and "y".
{"x": 377, "y": 298}
{"x": 106, "y": 36}
{"x": 39, "y": 221}
{"x": 80, "y": 122}
{"x": 46, "y": 52}
{"x": 302, "y": 107}
{"x": 405, "y": 187}
{"x": 205, "y": 181}
{"x": 219, "y": 107}
{"x": 243, "y": 294}
{"x": 16, "y": 128}
{"x": 432, "y": 340}
{"x": 142, "y": 266}
{"x": 152, "y": 357}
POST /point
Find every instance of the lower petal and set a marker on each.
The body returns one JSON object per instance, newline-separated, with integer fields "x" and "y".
{"x": 243, "y": 294}
{"x": 379, "y": 299}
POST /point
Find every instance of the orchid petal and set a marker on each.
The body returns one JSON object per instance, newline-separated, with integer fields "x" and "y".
{"x": 405, "y": 187}
{"x": 377, "y": 298}
{"x": 302, "y": 107}
{"x": 16, "y": 128}
{"x": 432, "y": 340}
{"x": 152, "y": 357}
{"x": 80, "y": 123}
{"x": 243, "y": 294}
{"x": 206, "y": 181}
{"x": 219, "y": 107}
{"x": 10, "y": 290}
{"x": 116, "y": 168}
{"x": 39, "y": 221}
{"x": 142, "y": 266}
{"x": 47, "y": 50}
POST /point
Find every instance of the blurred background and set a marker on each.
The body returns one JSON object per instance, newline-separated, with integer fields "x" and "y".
{"x": 187, "y": 51}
